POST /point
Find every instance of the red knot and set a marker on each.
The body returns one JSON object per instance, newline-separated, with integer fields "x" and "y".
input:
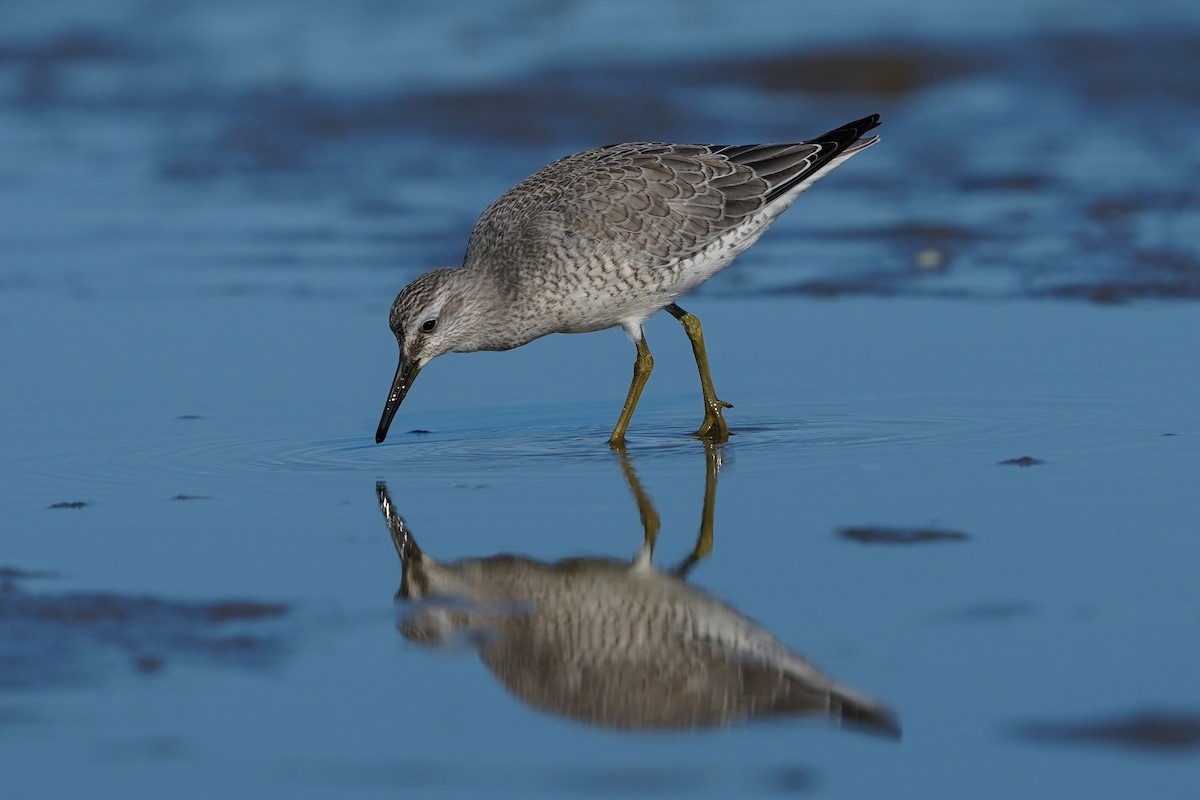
{"x": 609, "y": 237}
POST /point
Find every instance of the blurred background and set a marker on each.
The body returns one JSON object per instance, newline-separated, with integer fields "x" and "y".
{"x": 1036, "y": 149}
{"x": 206, "y": 209}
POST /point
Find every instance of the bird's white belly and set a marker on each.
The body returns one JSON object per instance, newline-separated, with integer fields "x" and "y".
{"x": 695, "y": 270}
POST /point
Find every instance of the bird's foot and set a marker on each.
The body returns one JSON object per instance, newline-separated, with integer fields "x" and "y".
{"x": 714, "y": 428}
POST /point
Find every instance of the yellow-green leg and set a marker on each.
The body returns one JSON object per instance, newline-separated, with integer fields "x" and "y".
{"x": 641, "y": 374}
{"x": 713, "y": 428}
{"x": 704, "y": 541}
{"x": 646, "y": 510}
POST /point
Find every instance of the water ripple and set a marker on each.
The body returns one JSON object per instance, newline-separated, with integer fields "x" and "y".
{"x": 527, "y": 437}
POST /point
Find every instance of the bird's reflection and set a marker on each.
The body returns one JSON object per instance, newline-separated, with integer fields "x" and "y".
{"x": 616, "y": 643}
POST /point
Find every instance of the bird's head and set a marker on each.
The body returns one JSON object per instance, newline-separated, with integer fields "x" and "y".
{"x": 439, "y": 312}
{"x": 427, "y": 323}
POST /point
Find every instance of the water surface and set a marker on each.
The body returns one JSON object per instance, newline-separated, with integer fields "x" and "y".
{"x": 973, "y": 348}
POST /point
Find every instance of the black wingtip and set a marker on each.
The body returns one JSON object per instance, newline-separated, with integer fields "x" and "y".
{"x": 866, "y": 717}
{"x": 829, "y": 146}
{"x": 874, "y": 722}
{"x": 850, "y": 132}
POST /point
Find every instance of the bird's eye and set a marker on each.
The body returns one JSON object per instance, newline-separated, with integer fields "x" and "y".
{"x": 428, "y": 325}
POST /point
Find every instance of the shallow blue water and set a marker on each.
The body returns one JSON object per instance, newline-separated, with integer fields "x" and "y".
{"x": 206, "y": 216}
{"x": 1085, "y": 556}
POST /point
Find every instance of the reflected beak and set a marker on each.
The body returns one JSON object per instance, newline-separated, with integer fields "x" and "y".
{"x": 406, "y": 373}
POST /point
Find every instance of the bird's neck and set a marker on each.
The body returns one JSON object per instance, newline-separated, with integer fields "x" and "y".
{"x": 495, "y": 323}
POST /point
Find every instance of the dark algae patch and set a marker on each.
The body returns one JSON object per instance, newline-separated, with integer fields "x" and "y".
{"x": 13, "y": 574}
{"x": 1158, "y": 731}
{"x": 53, "y": 640}
{"x": 993, "y": 611}
{"x": 872, "y": 534}
{"x": 1023, "y": 461}
{"x": 233, "y": 610}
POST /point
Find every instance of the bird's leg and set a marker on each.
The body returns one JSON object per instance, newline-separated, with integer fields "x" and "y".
{"x": 641, "y": 374}
{"x": 714, "y": 428}
{"x": 704, "y": 540}
{"x": 650, "y": 519}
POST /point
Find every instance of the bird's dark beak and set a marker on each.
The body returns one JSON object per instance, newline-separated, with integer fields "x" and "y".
{"x": 406, "y": 373}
